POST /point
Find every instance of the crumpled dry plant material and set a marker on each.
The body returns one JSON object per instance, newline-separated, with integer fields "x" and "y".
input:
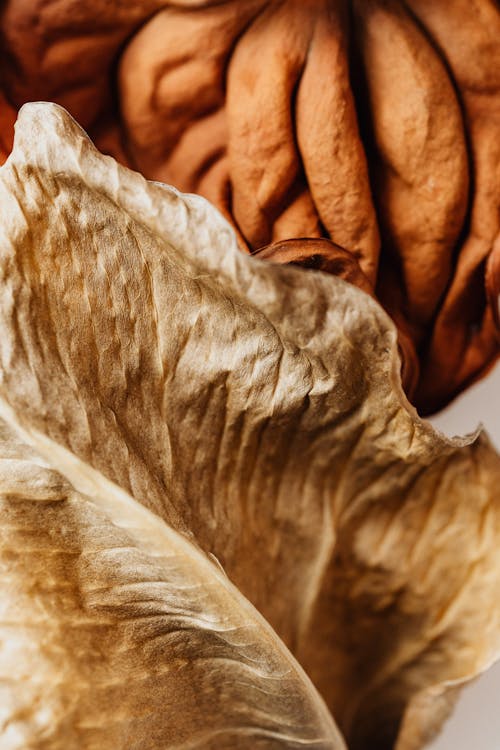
{"x": 206, "y": 408}
{"x": 373, "y": 123}
{"x": 118, "y": 633}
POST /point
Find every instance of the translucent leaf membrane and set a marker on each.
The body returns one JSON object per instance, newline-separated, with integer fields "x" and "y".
{"x": 256, "y": 409}
{"x": 118, "y": 633}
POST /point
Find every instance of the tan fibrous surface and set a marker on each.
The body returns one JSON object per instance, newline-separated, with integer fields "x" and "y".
{"x": 209, "y": 409}
{"x": 372, "y": 123}
{"x": 117, "y": 633}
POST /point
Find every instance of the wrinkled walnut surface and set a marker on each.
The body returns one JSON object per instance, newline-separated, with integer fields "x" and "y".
{"x": 374, "y": 123}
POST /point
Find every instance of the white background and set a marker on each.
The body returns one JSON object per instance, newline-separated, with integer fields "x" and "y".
{"x": 475, "y": 723}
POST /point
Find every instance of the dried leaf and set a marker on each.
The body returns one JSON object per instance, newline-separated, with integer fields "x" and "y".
{"x": 118, "y": 633}
{"x": 258, "y": 409}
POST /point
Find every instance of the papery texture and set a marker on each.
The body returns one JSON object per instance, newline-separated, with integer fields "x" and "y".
{"x": 373, "y": 123}
{"x": 258, "y": 409}
{"x": 118, "y": 633}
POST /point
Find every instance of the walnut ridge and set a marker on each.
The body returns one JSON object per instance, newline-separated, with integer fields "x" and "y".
{"x": 372, "y": 123}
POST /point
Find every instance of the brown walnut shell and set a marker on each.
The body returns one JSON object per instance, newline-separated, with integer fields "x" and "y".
{"x": 373, "y": 124}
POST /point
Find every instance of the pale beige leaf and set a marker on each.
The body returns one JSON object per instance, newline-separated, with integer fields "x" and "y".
{"x": 259, "y": 409}
{"x": 118, "y": 633}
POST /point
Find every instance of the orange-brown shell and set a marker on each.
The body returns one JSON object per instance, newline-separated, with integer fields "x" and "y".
{"x": 374, "y": 124}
